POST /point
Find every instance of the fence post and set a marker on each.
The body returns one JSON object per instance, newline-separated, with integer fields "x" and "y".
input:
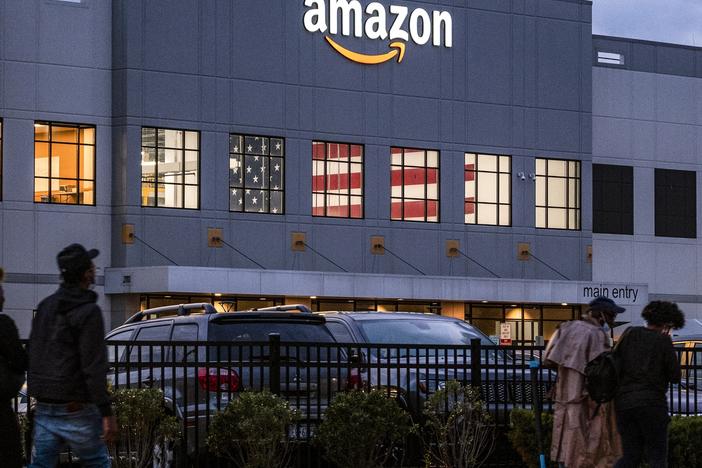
{"x": 274, "y": 369}
{"x": 475, "y": 371}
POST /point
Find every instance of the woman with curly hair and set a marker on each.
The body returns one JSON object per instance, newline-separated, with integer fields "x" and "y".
{"x": 648, "y": 364}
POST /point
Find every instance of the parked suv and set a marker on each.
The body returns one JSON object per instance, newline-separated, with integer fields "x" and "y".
{"x": 202, "y": 359}
{"x": 412, "y": 354}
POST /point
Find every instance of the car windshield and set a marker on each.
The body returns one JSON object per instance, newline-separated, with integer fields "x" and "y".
{"x": 418, "y": 332}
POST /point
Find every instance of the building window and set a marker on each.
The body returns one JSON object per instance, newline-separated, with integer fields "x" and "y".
{"x": 676, "y": 203}
{"x": 170, "y": 168}
{"x": 1, "y": 159}
{"x": 612, "y": 199}
{"x": 557, "y": 194}
{"x": 64, "y": 163}
{"x": 256, "y": 179}
{"x": 337, "y": 180}
{"x": 414, "y": 184}
{"x": 487, "y": 189}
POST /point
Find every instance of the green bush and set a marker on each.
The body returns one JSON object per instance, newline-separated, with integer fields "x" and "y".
{"x": 252, "y": 431}
{"x": 143, "y": 426}
{"x": 684, "y": 441}
{"x": 363, "y": 429}
{"x": 522, "y": 435}
{"x": 458, "y": 431}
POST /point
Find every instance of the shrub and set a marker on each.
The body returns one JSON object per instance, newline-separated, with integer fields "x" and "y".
{"x": 252, "y": 431}
{"x": 363, "y": 429}
{"x": 684, "y": 436}
{"x": 522, "y": 435}
{"x": 458, "y": 430}
{"x": 143, "y": 425}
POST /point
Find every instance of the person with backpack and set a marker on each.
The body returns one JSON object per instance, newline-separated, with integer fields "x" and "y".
{"x": 13, "y": 364}
{"x": 647, "y": 364}
{"x": 68, "y": 368}
{"x": 584, "y": 431}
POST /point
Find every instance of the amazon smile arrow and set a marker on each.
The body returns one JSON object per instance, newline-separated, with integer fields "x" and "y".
{"x": 370, "y": 59}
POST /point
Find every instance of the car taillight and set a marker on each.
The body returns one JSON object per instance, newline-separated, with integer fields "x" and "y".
{"x": 214, "y": 379}
{"x": 354, "y": 381}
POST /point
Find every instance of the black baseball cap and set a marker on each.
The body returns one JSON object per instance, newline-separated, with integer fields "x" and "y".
{"x": 605, "y": 304}
{"x": 75, "y": 258}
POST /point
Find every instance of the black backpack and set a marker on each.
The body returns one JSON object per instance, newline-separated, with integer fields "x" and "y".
{"x": 602, "y": 375}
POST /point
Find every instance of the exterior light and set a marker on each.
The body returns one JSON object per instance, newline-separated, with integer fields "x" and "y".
{"x": 564, "y": 303}
{"x": 218, "y": 294}
{"x": 313, "y": 297}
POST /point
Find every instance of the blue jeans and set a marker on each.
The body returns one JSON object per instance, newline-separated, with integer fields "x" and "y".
{"x": 55, "y": 427}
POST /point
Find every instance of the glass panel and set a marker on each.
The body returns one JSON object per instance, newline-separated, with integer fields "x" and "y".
{"x": 572, "y": 194}
{"x": 433, "y": 211}
{"x": 572, "y": 221}
{"x": 191, "y": 197}
{"x": 236, "y": 201}
{"x": 557, "y": 218}
{"x": 469, "y": 211}
{"x": 191, "y": 140}
{"x": 64, "y": 191}
{"x": 318, "y": 176}
{"x": 276, "y": 173}
{"x": 356, "y": 153}
{"x": 87, "y": 135}
{"x": 396, "y": 209}
{"x": 414, "y": 157}
{"x": 540, "y": 191}
{"x": 356, "y": 207}
{"x": 64, "y": 160}
{"x": 318, "y": 204}
{"x": 276, "y": 202}
{"x": 236, "y": 144}
{"x": 41, "y": 190}
{"x": 414, "y": 179}
{"x": 148, "y": 136}
{"x": 432, "y": 159}
{"x": 540, "y": 217}
{"x": 172, "y": 138}
{"x": 505, "y": 188}
{"x": 356, "y": 179}
{"x": 505, "y": 215}
{"x": 336, "y": 181}
{"x": 432, "y": 184}
{"x": 254, "y": 145}
{"x": 396, "y": 156}
{"x": 337, "y": 206}
{"x": 236, "y": 178}
{"x": 318, "y": 150}
{"x": 41, "y": 132}
{"x": 87, "y": 162}
{"x": 487, "y": 214}
{"x": 64, "y": 134}
{"x": 396, "y": 181}
{"x": 277, "y": 147}
{"x": 556, "y": 192}
{"x": 505, "y": 164}
{"x": 487, "y": 187}
{"x": 148, "y": 194}
{"x": 487, "y": 162}
{"x": 470, "y": 160}
{"x": 170, "y": 169}
{"x": 87, "y": 193}
{"x": 557, "y": 167}
{"x": 41, "y": 159}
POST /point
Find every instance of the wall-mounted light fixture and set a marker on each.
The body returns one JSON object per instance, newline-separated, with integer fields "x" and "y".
{"x": 521, "y": 175}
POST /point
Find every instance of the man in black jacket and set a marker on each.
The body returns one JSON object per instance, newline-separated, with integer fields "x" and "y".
{"x": 648, "y": 364}
{"x": 68, "y": 368}
{"x": 13, "y": 355}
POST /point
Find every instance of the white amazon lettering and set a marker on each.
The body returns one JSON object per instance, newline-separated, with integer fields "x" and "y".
{"x": 376, "y": 22}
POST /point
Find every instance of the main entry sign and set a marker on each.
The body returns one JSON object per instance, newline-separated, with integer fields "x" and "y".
{"x": 397, "y": 24}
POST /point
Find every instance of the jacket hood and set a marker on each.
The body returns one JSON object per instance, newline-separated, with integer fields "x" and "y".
{"x": 70, "y": 297}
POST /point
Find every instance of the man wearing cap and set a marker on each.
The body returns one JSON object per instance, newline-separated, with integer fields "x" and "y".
{"x": 584, "y": 433}
{"x": 68, "y": 368}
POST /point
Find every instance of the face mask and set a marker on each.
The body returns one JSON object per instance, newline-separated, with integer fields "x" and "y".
{"x": 606, "y": 328}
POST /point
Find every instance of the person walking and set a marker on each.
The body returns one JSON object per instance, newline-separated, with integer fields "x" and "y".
{"x": 14, "y": 361}
{"x": 647, "y": 363}
{"x": 68, "y": 368}
{"x": 584, "y": 433}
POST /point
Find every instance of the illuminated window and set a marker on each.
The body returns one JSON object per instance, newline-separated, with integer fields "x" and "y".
{"x": 170, "y": 168}
{"x": 487, "y": 189}
{"x": 337, "y": 180}
{"x": 414, "y": 185}
{"x": 64, "y": 163}
{"x": 256, "y": 174}
{"x": 557, "y": 194}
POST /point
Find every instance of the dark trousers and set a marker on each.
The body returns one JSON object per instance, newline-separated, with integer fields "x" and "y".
{"x": 10, "y": 448}
{"x": 643, "y": 429}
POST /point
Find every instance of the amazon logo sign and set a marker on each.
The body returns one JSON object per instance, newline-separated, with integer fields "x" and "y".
{"x": 396, "y": 24}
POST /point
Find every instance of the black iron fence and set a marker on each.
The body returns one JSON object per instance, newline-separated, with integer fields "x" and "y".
{"x": 198, "y": 379}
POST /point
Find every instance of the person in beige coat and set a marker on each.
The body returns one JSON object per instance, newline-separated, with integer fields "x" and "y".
{"x": 584, "y": 433}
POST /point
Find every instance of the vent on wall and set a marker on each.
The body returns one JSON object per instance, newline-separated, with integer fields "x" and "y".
{"x": 611, "y": 58}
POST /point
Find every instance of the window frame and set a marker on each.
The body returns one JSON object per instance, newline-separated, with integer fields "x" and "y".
{"x": 182, "y": 185}
{"x": 625, "y": 178}
{"x": 50, "y": 142}
{"x": 476, "y": 176}
{"x": 568, "y": 179}
{"x": 660, "y": 205}
{"x": 325, "y": 176}
{"x": 402, "y": 198}
{"x": 243, "y": 187}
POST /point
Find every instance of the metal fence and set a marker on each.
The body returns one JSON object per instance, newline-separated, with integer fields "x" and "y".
{"x": 199, "y": 379}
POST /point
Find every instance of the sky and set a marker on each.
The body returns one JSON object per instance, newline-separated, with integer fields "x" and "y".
{"x": 674, "y": 21}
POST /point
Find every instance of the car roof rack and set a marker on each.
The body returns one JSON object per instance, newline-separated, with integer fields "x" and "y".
{"x": 284, "y": 308}
{"x": 180, "y": 310}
